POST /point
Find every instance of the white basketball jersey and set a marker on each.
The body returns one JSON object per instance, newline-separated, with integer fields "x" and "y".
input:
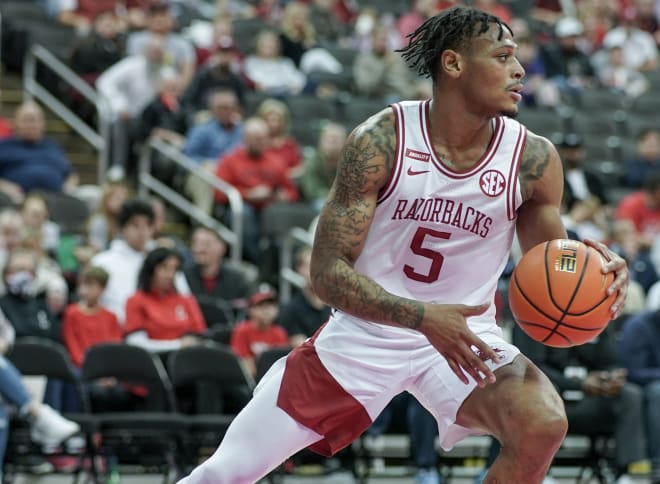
{"x": 440, "y": 235}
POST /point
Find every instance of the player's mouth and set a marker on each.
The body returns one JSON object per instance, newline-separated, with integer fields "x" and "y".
{"x": 515, "y": 92}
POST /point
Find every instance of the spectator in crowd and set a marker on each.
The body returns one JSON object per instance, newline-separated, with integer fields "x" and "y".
{"x": 37, "y": 227}
{"x": 646, "y": 162}
{"x": 598, "y": 398}
{"x": 220, "y": 72}
{"x": 625, "y": 241}
{"x": 420, "y": 11}
{"x": 584, "y": 191}
{"x": 496, "y": 8}
{"x": 638, "y": 47}
{"x": 31, "y": 161}
{"x": 25, "y": 308}
{"x": 320, "y": 164}
{"x": 271, "y": 72}
{"x": 6, "y": 129}
{"x": 642, "y": 207}
{"x": 129, "y": 86}
{"x": 13, "y": 237}
{"x": 86, "y": 322}
{"x": 158, "y": 317}
{"x": 304, "y": 313}
{"x": 381, "y": 72}
{"x": 48, "y": 427}
{"x": 208, "y": 142}
{"x": 614, "y": 74}
{"x": 258, "y": 332}
{"x": 209, "y": 275}
{"x": 565, "y": 63}
{"x": 166, "y": 120}
{"x": 423, "y": 431}
{"x": 80, "y": 14}
{"x": 260, "y": 176}
{"x": 179, "y": 53}
{"x": 102, "y": 47}
{"x": 639, "y": 351}
{"x": 297, "y": 34}
{"x": 123, "y": 259}
{"x": 277, "y": 117}
{"x": 324, "y": 19}
{"x": 103, "y": 224}
{"x": 537, "y": 89}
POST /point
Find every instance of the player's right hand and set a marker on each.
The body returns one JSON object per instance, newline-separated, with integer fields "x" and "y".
{"x": 445, "y": 326}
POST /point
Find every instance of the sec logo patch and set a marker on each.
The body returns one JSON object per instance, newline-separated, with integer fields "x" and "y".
{"x": 492, "y": 183}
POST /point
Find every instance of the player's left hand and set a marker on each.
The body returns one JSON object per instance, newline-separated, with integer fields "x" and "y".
{"x": 616, "y": 264}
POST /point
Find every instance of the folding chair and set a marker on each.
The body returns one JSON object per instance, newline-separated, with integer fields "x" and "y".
{"x": 219, "y": 385}
{"x": 41, "y": 357}
{"x": 268, "y": 357}
{"x": 147, "y": 436}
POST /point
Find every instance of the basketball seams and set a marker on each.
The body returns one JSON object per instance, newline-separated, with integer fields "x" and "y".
{"x": 544, "y": 295}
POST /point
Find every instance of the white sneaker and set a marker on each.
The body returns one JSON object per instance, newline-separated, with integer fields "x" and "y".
{"x": 49, "y": 426}
{"x": 624, "y": 479}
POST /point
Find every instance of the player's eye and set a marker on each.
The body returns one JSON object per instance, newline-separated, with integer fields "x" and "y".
{"x": 504, "y": 57}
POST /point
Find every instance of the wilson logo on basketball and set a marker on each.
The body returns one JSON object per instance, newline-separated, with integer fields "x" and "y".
{"x": 492, "y": 183}
{"x": 417, "y": 155}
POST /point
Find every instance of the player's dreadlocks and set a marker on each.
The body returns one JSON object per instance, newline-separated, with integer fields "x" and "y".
{"x": 449, "y": 29}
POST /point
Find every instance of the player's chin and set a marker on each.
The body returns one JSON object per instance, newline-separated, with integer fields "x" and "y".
{"x": 511, "y": 110}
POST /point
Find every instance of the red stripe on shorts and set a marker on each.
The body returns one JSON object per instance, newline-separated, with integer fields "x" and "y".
{"x": 311, "y": 395}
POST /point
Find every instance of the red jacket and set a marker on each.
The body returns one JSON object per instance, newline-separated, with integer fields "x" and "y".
{"x": 163, "y": 317}
{"x": 244, "y": 172}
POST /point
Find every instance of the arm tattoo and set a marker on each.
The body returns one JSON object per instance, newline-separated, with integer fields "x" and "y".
{"x": 535, "y": 160}
{"x": 364, "y": 168}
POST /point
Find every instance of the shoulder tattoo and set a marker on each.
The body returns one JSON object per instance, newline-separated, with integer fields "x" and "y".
{"x": 535, "y": 161}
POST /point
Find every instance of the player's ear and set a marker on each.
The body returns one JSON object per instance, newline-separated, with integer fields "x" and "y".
{"x": 451, "y": 63}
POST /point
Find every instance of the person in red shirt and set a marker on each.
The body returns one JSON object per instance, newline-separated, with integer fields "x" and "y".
{"x": 261, "y": 177}
{"x": 158, "y": 317}
{"x": 643, "y": 209}
{"x": 86, "y": 323}
{"x": 277, "y": 115}
{"x": 259, "y": 332}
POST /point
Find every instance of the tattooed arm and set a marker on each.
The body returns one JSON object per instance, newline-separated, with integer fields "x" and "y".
{"x": 364, "y": 168}
{"x": 539, "y": 219}
{"x": 542, "y": 185}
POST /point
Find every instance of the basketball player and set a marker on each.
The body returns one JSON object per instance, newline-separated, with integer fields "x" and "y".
{"x": 409, "y": 247}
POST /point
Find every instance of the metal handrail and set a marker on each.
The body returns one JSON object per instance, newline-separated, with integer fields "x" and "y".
{"x": 32, "y": 88}
{"x": 288, "y": 276}
{"x": 234, "y": 236}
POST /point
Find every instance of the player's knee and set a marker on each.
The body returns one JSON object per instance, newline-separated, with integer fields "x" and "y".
{"x": 544, "y": 431}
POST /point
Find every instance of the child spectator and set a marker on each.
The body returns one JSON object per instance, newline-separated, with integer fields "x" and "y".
{"x": 86, "y": 322}
{"x": 259, "y": 332}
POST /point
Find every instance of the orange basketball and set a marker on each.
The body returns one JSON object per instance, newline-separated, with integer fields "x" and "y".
{"x": 558, "y": 293}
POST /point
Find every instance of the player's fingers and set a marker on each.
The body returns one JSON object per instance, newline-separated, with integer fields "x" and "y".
{"x": 456, "y": 368}
{"x": 600, "y": 247}
{"x": 477, "y": 368}
{"x": 483, "y": 351}
{"x": 619, "y": 303}
{"x": 472, "y": 310}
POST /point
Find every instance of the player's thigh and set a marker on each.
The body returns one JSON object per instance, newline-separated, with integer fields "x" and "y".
{"x": 521, "y": 400}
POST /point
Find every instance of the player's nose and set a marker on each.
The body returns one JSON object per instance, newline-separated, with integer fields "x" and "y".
{"x": 518, "y": 70}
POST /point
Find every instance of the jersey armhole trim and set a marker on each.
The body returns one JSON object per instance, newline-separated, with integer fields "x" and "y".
{"x": 514, "y": 173}
{"x": 399, "y": 124}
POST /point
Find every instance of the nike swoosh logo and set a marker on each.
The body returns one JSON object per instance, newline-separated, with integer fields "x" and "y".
{"x": 412, "y": 172}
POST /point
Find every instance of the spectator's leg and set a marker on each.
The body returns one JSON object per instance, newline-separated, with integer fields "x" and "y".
{"x": 653, "y": 428}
